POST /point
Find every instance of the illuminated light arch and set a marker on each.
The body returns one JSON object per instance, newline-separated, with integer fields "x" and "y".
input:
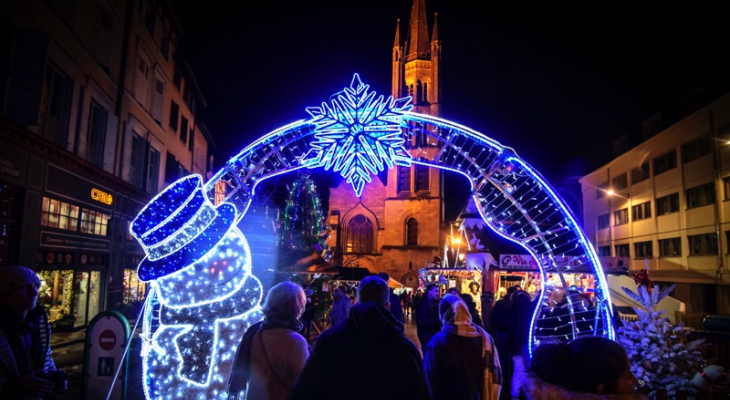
{"x": 514, "y": 200}
{"x": 204, "y": 295}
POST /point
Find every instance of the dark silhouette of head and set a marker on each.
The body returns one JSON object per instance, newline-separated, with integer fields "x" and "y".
{"x": 573, "y": 364}
{"x": 373, "y": 288}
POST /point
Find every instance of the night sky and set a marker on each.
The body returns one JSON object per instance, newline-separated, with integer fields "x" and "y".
{"x": 556, "y": 84}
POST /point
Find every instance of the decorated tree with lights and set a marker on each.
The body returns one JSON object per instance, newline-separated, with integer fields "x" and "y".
{"x": 302, "y": 221}
{"x": 660, "y": 354}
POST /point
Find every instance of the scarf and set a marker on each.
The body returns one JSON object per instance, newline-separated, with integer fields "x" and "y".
{"x": 242, "y": 367}
{"x": 456, "y": 319}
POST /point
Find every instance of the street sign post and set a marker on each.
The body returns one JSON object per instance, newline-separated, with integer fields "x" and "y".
{"x": 106, "y": 338}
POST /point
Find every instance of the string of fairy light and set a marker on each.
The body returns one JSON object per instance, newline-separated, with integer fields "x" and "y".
{"x": 302, "y": 219}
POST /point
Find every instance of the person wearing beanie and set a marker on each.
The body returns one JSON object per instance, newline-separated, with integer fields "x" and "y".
{"x": 27, "y": 370}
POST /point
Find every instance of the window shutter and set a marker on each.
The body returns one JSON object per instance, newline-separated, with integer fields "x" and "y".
{"x": 158, "y": 101}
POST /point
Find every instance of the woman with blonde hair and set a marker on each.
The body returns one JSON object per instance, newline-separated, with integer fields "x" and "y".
{"x": 272, "y": 352}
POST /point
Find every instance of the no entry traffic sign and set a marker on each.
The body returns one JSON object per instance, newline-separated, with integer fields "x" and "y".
{"x": 107, "y": 339}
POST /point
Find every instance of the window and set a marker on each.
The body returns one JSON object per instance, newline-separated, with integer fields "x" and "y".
{"x": 198, "y": 157}
{"x": 641, "y": 211}
{"x": 94, "y": 222}
{"x": 153, "y": 170}
{"x": 622, "y": 250}
{"x": 667, "y": 204}
{"x": 177, "y": 78}
{"x": 59, "y": 214}
{"x": 620, "y": 182}
{"x": 148, "y": 13}
{"x": 702, "y": 195}
{"x": 141, "y": 77}
{"x": 57, "y": 88}
{"x": 421, "y": 178}
{"x": 95, "y": 134}
{"x": 174, "y": 115}
{"x": 165, "y": 46}
{"x": 359, "y": 236}
{"x": 191, "y": 139}
{"x": 643, "y": 249}
{"x": 158, "y": 100}
{"x": 665, "y": 162}
{"x": 604, "y": 251}
{"x": 696, "y": 149}
{"x": 701, "y": 245}
{"x": 404, "y": 179}
{"x": 412, "y": 232}
{"x": 726, "y": 186}
{"x": 601, "y": 190}
{"x": 137, "y": 160}
{"x": 104, "y": 38}
{"x": 621, "y": 217}
{"x": 670, "y": 247}
{"x": 603, "y": 221}
{"x": 184, "y": 130}
{"x": 640, "y": 174}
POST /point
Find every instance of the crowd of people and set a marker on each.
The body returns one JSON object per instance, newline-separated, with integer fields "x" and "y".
{"x": 365, "y": 354}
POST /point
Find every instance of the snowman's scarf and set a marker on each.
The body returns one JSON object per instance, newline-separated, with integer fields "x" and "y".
{"x": 200, "y": 339}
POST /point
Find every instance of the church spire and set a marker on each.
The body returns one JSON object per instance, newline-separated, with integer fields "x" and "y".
{"x": 435, "y": 31}
{"x": 418, "y": 32}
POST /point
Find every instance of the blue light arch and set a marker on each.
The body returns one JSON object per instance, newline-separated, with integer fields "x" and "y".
{"x": 358, "y": 134}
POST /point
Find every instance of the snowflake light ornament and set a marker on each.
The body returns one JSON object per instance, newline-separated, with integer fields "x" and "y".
{"x": 358, "y": 134}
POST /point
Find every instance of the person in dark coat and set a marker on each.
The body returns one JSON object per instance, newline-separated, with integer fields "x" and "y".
{"x": 427, "y": 316}
{"x": 461, "y": 361}
{"x": 365, "y": 357}
{"x": 396, "y": 308}
{"x": 472, "y": 305}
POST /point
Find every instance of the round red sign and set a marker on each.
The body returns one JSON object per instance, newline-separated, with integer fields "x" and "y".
{"x": 107, "y": 340}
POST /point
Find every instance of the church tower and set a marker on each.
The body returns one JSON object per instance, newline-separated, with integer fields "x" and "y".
{"x": 416, "y": 63}
{"x": 395, "y": 225}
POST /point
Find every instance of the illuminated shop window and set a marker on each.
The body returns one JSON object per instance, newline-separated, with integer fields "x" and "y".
{"x": 134, "y": 289}
{"x": 72, "y": 298}
{"x": 94, "y": 222}
{"x": 59, "y": 214}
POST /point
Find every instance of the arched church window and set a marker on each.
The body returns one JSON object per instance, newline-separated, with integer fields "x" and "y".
{"x": 419, "y": 92}
{"x": 412, "y": 232}
{"x": 359, "y": 237}
{"x": 425, "y": 92}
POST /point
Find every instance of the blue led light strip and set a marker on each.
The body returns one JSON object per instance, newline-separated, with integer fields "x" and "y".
{"x": 513, "y": 199}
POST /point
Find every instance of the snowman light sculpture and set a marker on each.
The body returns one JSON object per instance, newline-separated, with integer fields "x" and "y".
{"x": 203, "y": 294}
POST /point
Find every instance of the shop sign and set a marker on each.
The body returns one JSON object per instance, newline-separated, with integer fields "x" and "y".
{"x": 101, "y": 196}
{"x": 12, "y": 164}
{"x": 52, "y": 239}
{"x": 55, "y": 258}
{"x": 517, "y": 261}
{"x": 76, "y": 187}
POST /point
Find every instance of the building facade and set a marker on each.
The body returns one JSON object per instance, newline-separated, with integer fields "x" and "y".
{"x": 98, "y": 115}
{"x": 665, "y": 205}
{"x": 395, "y": 225}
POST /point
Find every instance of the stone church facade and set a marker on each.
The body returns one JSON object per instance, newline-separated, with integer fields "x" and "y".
{"x": 395, "y": 226}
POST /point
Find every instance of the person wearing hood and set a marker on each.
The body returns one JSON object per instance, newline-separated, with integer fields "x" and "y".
{"x": 461, "y": 361}
{"x": 365, "y": 357}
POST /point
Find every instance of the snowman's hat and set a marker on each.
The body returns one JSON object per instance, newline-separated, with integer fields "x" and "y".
{"x": 178, "y": 227}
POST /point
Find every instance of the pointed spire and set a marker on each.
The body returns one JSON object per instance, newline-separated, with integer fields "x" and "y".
{"x": 418, "y": 32}
{"x": 397, "y": 34}
{"x": 435, "y": 31}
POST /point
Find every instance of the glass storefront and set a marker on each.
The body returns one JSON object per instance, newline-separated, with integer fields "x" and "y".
{"x": 72, "y": 298}
{"x": 134, "y": 289}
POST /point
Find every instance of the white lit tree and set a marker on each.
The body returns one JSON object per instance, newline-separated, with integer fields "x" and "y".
{"x": 660, "y": 354}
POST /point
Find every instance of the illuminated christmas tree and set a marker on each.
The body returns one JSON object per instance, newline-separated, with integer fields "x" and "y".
{"x": 659, "y": 352}
{"x": 302, "y": 221}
